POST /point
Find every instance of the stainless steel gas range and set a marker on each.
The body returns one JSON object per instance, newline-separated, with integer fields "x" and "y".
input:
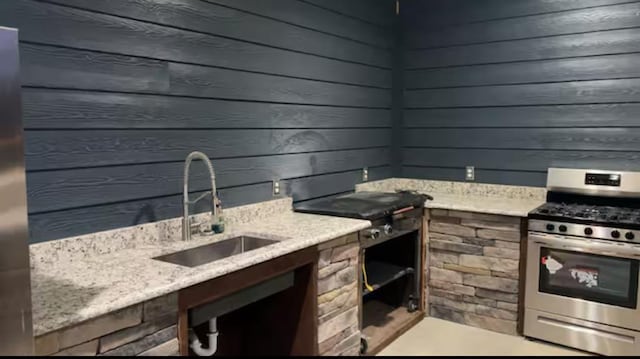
{"x": 583, "y": 254}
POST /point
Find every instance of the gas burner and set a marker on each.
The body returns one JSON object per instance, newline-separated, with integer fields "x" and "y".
{"x": 581, "y": 213}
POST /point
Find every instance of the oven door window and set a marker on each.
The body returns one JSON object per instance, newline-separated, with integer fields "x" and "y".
{"x": 596, "y": 278}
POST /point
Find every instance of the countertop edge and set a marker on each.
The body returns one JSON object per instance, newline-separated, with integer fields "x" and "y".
{"x": 514, "y": 207}
{"x": 504, "y": 212}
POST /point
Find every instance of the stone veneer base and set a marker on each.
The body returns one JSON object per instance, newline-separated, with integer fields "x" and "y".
{"x": 338, "y": 316}
{"x": 149, "y": 328}
{"x": 473, "y": 269}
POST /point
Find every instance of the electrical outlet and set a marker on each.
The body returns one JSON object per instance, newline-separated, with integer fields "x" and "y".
{"x": 365, "y": 174}
{"x": 276, "y": 187}
{"x": 470, "y": 173}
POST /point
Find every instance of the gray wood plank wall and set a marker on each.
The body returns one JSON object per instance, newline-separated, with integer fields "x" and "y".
{"x": 117, "y": 92}
{"x": 514, "y": 87}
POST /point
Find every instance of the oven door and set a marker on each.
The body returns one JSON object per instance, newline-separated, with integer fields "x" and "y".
{"x": 582, "y": 278}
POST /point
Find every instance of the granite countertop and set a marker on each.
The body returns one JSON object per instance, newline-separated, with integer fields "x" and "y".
{"x": 66, "y": 293}
{"x": 507, "y": 200}
{"x": 517, "y": 207}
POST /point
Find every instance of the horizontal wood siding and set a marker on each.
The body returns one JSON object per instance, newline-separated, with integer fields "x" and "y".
{"x": 116, "y": 93}
{"x": 548, "y": 23}
{"x": 454, "y": 12}
{"x": 515, "y": 87}
{"x": 372, "y": 11}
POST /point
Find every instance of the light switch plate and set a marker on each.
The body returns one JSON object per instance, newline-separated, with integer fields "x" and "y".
{"x": 276, "y": 187}
{"x": 470, "y": 173}
{"x": 365, "y": 174}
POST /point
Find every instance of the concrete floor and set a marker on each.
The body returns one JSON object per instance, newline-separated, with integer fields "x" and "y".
{"x": 439, "y": 337}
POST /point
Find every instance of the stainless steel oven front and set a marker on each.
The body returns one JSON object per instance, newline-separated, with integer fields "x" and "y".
{"x": 583, "y": 293}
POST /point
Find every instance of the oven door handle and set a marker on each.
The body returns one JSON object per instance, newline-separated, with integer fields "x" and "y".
{"x": 587, "y": 246}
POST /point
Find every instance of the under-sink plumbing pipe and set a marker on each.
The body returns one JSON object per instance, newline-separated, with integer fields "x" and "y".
{"x": 196, "y": 345}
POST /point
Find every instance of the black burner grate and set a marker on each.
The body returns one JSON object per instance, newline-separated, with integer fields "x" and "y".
{"x": 590, "y": 213}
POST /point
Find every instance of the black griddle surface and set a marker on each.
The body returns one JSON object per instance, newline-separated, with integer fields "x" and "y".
{"x": 363, "y": 205}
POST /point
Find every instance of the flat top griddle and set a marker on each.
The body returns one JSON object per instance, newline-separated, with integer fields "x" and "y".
{"x": 363, "y": 205}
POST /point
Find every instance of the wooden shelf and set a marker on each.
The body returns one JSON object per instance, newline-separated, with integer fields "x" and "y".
{"x": 384, "y": 323}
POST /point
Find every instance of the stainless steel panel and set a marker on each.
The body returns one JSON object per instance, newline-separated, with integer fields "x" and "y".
{"x": 241, "y": 298}
{"x": 586, "y": 245}
{"x": 580, "y": 334}
{"x": 573, "y": 307}
{"x": 572, "y": 181}
{"x": 16, "y": 336}
{"x": 576, "y": 229}
{"x": 392, "y": 227}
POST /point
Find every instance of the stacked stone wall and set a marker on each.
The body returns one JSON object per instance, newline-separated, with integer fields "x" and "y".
{"x": 338, "y": 318}
{"x": 473, "y": 269}
{"x": 146, "y": 329}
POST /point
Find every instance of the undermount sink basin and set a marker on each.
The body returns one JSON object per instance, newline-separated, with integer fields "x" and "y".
{"x": 212, "y": 252}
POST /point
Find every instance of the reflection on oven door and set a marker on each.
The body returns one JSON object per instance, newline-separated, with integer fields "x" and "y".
{"x": 598, "y": 278}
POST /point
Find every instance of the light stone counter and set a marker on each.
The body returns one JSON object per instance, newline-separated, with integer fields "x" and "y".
{"x": 66, "y": 292}
{"x": 515, "y": 201}
{"x": 480, "y": 204}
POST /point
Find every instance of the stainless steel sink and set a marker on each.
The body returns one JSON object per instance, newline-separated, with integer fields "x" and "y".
{"x": 211, "y": 252}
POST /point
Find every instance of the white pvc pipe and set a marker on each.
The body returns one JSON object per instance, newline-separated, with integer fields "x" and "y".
{"x": 196, "y": 345}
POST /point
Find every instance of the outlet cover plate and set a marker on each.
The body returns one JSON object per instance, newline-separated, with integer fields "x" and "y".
{"x": 365, "y": 174}
{"x": 470, "y": 173}
{"x": 276, "y": 187}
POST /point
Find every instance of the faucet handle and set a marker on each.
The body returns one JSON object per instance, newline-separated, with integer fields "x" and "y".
{"x": 187, "y": 201}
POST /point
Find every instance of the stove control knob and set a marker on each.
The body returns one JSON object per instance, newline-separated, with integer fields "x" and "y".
{"x": 562, "y": 228}
{"x": 629, "y": 235}
{"x": 588, "y": 231}
{"x": 550, "y": 227}
{"x": 374, "y": 233}
{"x": 387, "y": 229}
{"x": 615, "y": 234}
